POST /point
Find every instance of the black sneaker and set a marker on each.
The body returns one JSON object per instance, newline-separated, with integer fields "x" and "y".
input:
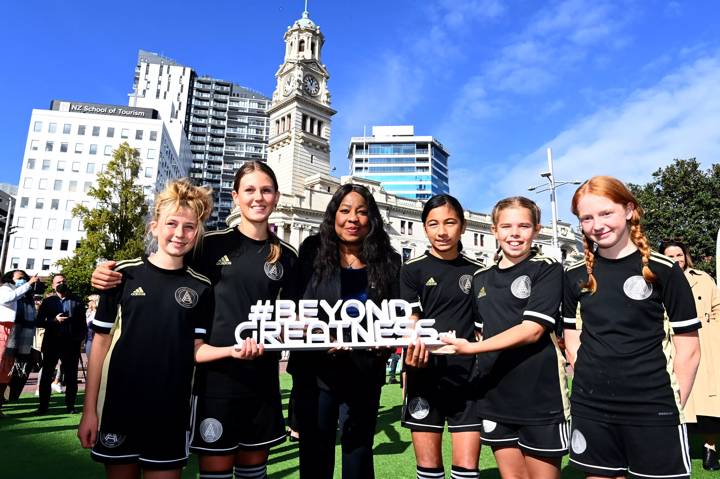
{"x": 710, "y": 460}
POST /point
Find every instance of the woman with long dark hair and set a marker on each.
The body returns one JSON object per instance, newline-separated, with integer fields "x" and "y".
{"x": 351, "y": 258}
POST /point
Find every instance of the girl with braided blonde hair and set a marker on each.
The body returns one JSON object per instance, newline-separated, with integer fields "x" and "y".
{"x": 630, "y": 385}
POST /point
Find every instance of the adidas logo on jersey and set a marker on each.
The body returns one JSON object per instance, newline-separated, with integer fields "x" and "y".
{"x": 224, "y": 261}
{"x": 482, "y": 293}
{"x": 431, "y": 282}
{"x": 138, "y": 292}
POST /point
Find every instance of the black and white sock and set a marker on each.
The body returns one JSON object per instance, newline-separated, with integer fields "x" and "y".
{"x": 458, "y": 472}
{"x": 216, "y": 474}
{"x": 430, "y": 472}
{"x": 258, "y": 471}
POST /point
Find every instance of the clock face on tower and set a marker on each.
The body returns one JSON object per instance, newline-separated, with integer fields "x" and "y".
{"x": 311, "y": 85}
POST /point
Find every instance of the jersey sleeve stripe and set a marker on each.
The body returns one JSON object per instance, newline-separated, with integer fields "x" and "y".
{"x": 572, "y": 320}
{"x": 218, "y": 232}
{"x": 102, "y": 324}
{"x": 416, "y": 304}
{"x": 575, "y": 265}
{"x": 199, "y": 276}
{"x": 288, "y": 246}
{"x": 413, "y": 260}
{"x": 478, "y": 325}
{"x": 535, "y": 314}
{"x": 127, "y": 263}
{"x": 667, "y": 263}
{"x": 200, "y": 331}
{"x": 682, "y": 324}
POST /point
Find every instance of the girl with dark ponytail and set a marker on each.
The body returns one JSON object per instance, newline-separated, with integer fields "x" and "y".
{"x": 628, "y": 389}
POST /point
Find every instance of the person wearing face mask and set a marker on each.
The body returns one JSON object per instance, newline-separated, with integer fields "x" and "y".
{"x": 63, "y": 316}
{"x": 15, "y": 285}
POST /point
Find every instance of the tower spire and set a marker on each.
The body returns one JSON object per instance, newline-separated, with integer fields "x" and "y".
{"x": 306, "y": 14}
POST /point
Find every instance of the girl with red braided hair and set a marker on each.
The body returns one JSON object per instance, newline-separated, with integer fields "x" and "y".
{"x": 631, "y": 335}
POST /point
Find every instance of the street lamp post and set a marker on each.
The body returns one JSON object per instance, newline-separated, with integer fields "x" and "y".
{"x": 552, "y": 186}
{"x": 5, "y": 234}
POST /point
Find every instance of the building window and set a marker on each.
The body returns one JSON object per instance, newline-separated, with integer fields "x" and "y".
{"x": 61, "y": 165}
{"x": 18, "y": 242}
{"x": 138, "y": 134}
{"x": 81, "y": 130}
{"x": 46, "y": 265}
{"x": 49, "y": 146}
{"x": 48, "y": 243}
{"x": 20, "y": 222}
{"x": 81, "y": 226}
{"x": 63, "y": 245}
{"x": 52, "y": 224}
{"x": 151, "y": 154}
{"x": 87, "y": 186}
{"x": 55, "y": 204}
{"x": 153, "y": 136}
{"x": 93, "y": 149}
{"x": 42, "y": 184}
{"x": 34, "y": 145}
{"x": 149, "y": 172}
{"x": 90, "y": 168}
{"x": 30, "y": 263}
{"x": 46, "y": 165}
{"x": 475, "y": 239}
{"x": 76, "y": 166}
{"x": 15, "y": 262}
{"x": 110, "y": 132}
{"x": 78, "y": 147}
{"x": 24, "y": 200}
{"x": 108, "y": 150}
{"x": 69, "y": 205}
{"x": 52, "y": 128}
{"x": 63, "y": 147}
{"x": 402, "y": 227}
{"x": 37, "y": 126}
{"x": 33, "y": 243}
{"x": 410, "y": 225}
{"x": 96, "y": 131}
{"x": 27, "y": 184}
{"x": 73, "y": 186}
{"x": 39, "y": 203}
{"x": 482, "y": 240}
{"x": 406, "y": 252}
{"x": 124, "y": 133}
{"x": 66, "y": 128}
{"x": 30, "y": 164}
{"x": 67, "y": 224}
{"x": 36, "y": 223}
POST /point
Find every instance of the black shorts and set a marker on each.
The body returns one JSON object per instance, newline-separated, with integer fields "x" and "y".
{"x": 152, "y": 448}
{"x": 604, "y": 449}
{"x": 544, "y": 440}
{"x": 224, "y": 425}
{"x": 427, "y": 407}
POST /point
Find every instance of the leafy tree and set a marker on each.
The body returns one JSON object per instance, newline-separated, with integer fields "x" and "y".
{"x": 682, "y": 201}
{"x": 115, "y": 228}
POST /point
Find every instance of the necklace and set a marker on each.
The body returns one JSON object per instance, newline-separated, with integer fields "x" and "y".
{"x": 349, "y": 266}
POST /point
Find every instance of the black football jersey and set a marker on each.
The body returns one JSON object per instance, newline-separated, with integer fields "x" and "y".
{"x": 241, "y": 275}
{"x": 623, "y": 370}
{"x": 154, "y": 317}
{"x": 527, "y": 384}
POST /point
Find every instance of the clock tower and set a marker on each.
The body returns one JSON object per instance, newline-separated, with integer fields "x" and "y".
{"x": 300, "y": 113}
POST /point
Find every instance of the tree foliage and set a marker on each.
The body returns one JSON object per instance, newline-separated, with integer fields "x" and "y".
{"x": 115, "y": 228}
{"x": 683, "y": 202}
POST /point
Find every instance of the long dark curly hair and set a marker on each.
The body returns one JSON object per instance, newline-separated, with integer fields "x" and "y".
{"x": 375, "y": 251}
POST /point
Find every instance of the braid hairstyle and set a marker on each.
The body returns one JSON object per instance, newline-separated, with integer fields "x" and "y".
{"x": 183, "y": 194}
{"x": 616, "y": 191}
{"x": 251, "y": 167}
{"x": 514, "y": 202}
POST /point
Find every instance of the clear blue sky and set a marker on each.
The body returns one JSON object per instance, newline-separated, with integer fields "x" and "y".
{"x": 616, "y": 88}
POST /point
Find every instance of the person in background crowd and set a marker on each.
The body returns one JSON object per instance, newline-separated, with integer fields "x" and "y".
{"x": 351, "y": 258}
{"x": 89, "y": 316}
{"x": 63, "y": 316}
{"x": 702, "y": 410}
{"x": 628, "y": 390}
{"x": 15, "y": 285}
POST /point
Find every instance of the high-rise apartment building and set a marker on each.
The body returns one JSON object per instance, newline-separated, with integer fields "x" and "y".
{"x": 226, "y": 124}
{"x": 406, "y": 165}
{"x": 67, "y": 146}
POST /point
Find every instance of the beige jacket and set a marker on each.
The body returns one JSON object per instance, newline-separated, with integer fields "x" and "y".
{"x": 704, "y": 398}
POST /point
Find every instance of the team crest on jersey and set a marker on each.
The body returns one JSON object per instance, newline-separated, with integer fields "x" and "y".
{"x": 224, "y": 261}
{"x": 186, "y": 297}
{"x": 419, "y": 408}
{"x": 111, "y": 440}
{"x": 211, "y": 429}
{"x": 465, "y": 283}
{"x": 637, "y": 288}
{"x": 578, "y": 442}
{"x": 521, "y": 287}
{"x": 488, "y": 426}
{"x": 274, "y": 271}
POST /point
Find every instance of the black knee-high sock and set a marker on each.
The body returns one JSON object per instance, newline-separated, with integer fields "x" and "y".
{"x": 430, "y": 472}
{"x": 258, "y": 471}
{"x": 458, "y": 472}
{"x": 216, "y": 474}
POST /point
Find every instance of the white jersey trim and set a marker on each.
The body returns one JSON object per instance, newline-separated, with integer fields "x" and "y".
{"x": 547, "y": 318}
{"x": 688, "y": 322}
{"x": 598, "y": 467}
{"x": 570, "y": 320}
{"x": 102, "y": 324}
{"x": 201, "y": 330}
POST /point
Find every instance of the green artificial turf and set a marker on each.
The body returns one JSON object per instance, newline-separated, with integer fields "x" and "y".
{"x": 46, "y": 446}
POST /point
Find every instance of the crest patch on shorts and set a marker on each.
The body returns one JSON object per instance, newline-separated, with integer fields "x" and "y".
{"x": 637, "y": 288}
{"x": 578, "y": 442}
{"x": 210, "y": 429}
{"x": 521, "y": 287}
{"x": 274, "y": 271}
{"x": 488, "y": 426}
{"x": 186, "y": 297}
{"x": 419, "y": 408}
{"x": 111, "y": 440}
{"x": 465, "y": 283}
